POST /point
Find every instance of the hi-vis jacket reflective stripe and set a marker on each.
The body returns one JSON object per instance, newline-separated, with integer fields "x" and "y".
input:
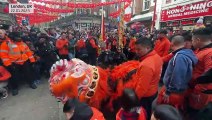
{"x": 15, "y": 52}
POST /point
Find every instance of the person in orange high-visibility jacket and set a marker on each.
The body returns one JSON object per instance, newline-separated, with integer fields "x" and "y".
{"x": 15, "y": 52}
{"x": 62, "y": 45}
{"x": 16, "y": 56}
{"x": 3, "y": 38}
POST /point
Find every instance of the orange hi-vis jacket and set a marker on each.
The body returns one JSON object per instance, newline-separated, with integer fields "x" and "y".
{"x": 15, "y": 52}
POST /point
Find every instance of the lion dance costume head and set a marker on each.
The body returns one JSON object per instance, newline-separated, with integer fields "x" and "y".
{"x": 76, "y": 79}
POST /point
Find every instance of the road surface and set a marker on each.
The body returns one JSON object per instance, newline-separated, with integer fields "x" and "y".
{"x": 31, "y": 104}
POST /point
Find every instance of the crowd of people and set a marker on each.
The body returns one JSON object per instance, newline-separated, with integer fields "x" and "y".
{"x": 182, "y": 62}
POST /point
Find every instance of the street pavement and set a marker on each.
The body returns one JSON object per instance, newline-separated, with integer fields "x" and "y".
{"x": 31, "y": 104}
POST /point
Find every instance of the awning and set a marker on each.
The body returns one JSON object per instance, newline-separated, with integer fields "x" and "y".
{"x": 143, "y": 17}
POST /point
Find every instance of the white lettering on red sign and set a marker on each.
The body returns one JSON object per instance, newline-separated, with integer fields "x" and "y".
{"x": 200, "y": 6}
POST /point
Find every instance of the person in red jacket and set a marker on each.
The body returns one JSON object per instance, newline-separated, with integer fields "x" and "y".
{"x": 92, "y": 49}
{"x": 201, "y": 90}
{"x": 75, "y": 110}
{"x": 148, "y": 73}
{"x": 62, "y": 45}
{"x": 162, "y": 45}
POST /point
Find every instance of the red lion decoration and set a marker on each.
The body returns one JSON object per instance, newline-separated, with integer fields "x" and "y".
{"x": 90, "y": 84}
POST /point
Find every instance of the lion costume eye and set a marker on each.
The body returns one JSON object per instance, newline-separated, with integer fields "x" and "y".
{"x": 65, "y": 75}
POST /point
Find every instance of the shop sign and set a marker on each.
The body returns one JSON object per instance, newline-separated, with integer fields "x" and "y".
{"x": 194, "y": 10}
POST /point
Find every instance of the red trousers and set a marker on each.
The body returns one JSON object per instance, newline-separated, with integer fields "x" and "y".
{"x": 175, "y": 99}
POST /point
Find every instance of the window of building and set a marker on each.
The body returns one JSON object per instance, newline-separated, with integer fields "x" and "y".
{"x": 146, "y": 4}
{"x": 2, "y": 6}
{"x": 83, "y": 11}
{"x": 169, "y": 1}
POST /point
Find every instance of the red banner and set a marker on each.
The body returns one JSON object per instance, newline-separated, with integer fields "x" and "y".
{"x": 194, "y": 10}
{"x": 117, "y": 13}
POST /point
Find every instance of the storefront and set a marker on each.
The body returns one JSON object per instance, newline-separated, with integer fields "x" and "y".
{"x": 143, "y": 19}
{"x": 185, "y": 16}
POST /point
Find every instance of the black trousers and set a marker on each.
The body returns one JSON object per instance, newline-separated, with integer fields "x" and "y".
{"x": 92, "y": 58}
{"x": 19, "y": 73}
{"x": 131, "y": 55}
{"x": 146, "y": 103}
{"x": 64, "y": 57}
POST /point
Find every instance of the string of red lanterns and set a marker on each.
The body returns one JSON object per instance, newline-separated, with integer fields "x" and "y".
{"x": 82, "y": 5}
{"x": 35, "y": 18}
{"x": 53, "y": 9}
{"x": 39, "y": 17}
{"x": 117, "y": 13}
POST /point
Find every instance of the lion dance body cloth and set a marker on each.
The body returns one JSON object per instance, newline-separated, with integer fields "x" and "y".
{"x": 90, "y": 84}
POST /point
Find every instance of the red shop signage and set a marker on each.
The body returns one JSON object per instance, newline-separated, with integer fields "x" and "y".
{"x": 194, "y": 10}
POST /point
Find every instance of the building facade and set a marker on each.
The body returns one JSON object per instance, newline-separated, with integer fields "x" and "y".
{"x": 6, "y": 18}
{"x": 85, "y": 18}
{"x": 143, "y": 10}
{"x": 183, "y": 14}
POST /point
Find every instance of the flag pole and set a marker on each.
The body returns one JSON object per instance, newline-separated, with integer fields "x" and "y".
{"x": 101, "y": 37}
{"x": 102, "y": 26}
{"x": 121, "y": 26}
